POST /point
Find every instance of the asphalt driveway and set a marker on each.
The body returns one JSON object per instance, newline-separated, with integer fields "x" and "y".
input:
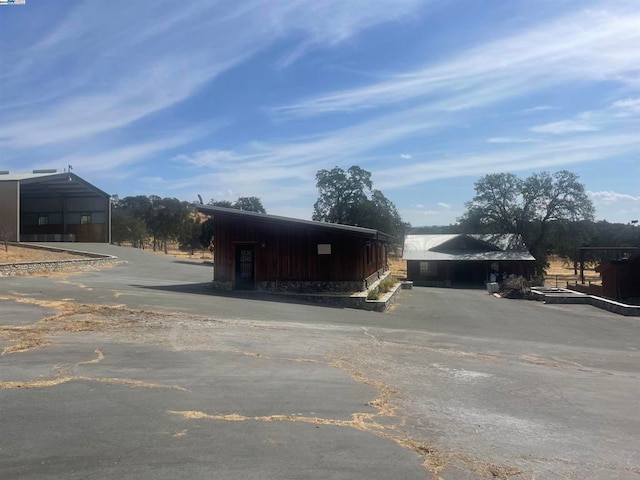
{"x": 141, "y": 371}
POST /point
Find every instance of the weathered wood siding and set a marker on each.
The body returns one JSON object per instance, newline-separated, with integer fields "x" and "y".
{"x": 289, "y": 252}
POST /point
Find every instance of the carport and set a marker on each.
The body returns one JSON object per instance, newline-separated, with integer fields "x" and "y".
{"x": 46, "y": 206}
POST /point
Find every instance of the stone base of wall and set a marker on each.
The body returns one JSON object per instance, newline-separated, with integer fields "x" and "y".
{"x": 219, "y": 285}
{"x": 292, "y": 286}
{"x": 54, "y": 266}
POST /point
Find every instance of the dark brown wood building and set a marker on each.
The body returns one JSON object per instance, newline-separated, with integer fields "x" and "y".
{"x": 621, "y": 278}
{"x": 465, "y": 259}
{"x": 268, "y": 252}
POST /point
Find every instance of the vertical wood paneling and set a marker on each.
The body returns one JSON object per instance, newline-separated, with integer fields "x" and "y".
{"x": 290, "y": 251}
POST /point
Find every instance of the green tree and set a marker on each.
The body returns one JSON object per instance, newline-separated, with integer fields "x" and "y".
{"x": 165, "y": 220}
{"x": 250, "y": 204}
{"x": 206, "y": 233}
{"x": 128, "y": 220}
{"x": 189, "y": 237}
{"x": 348, "y": 197}
{"x": 341, "y": 195}
{"x": 220, "y": 203}
{"x": 505, "y": 203}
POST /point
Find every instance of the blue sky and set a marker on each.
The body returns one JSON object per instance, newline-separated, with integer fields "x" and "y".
{"x": 239, "y": 98}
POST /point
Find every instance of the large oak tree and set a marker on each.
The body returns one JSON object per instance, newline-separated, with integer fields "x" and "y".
{"x": 505, "y": 203}
{"x": 348, "y": 197}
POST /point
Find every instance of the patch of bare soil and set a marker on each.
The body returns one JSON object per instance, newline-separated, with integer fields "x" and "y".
{"x": 18, "y": 254}
{"x": 560, "y": 272}
{"x": 398, "y": 267}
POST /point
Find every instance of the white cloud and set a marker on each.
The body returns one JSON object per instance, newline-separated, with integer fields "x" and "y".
{"x": 510, "y": 140}
{"x": 628, "y": 106}
{"x": 111, "y": 158}
{"x": 330, "y": 22}
{"x": 539, "y": 108}
{"x": 565, "y": 126}
{"x": 446, "y": 206}
{"x": 123, "y": 66}
{"x": 608, "y": 197}
{"x": 561, "y": 151}
{"x": 406, "y": 156}
{"x": 598, "y": 44}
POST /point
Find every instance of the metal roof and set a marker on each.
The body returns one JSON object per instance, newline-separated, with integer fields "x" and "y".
{"x": 499, "y": 247}
{"x": 64, "y": 184}
{"x": 360, "y": 231}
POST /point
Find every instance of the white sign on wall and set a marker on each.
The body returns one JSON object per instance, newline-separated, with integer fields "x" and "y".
{"x": 324, "y": 249}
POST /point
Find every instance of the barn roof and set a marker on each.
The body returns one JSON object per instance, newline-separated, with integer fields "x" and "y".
{"x": 263, "y": 217}
{"x": 64, "y": 184}
{"x": 479, "y": 247}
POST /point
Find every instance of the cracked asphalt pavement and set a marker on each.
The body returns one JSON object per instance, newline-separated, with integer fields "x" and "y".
{"x": 141, "y": 371}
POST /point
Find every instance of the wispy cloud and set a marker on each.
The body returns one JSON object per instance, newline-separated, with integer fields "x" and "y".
{"x": 446, "y": 206}
{"x": 539, "y": 108}
{"x": 121, "y": 68}
{"x": 628, "y": 105}
{"x": 347, "y": 19}
{"x": 510, "y": 140}
{"x": 110, "y": 159}
{"x": 608, "y": 197}
{"x": 562, "y": 151}
{"x": 565, "y": 126}
{"x": 598, "y": 44}
{"x": 406, "y": 156}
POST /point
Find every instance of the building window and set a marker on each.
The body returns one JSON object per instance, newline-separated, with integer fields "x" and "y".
{"x": 43, "y": 219}
{"x": 428, "y": 269}
{"x": 85, "y": 219}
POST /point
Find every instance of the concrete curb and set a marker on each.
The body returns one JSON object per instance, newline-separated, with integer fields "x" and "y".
{"x": 567, "y": 296}
{"x": 26, "y": 268}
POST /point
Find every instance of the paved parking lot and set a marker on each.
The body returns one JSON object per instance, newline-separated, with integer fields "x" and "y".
{"x": 141, "y": 371}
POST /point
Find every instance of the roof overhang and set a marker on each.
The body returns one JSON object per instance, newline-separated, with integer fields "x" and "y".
{"x": 267, "y": 218}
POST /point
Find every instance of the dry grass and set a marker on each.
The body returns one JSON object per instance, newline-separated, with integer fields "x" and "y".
{"x": 18, "y": 254}
{"x": 398, "y": 267}
{"x": 560, "y": 272}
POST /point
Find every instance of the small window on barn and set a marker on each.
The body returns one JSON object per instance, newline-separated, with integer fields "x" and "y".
{"x": 428, "y": 268}
{"x": 43, "y": 219}
{"x": 85, "y": 219}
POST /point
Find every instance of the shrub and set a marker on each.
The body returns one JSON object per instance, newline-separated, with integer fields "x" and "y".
{"x": 387, "y": 284}
{"x": 373, "y": 294}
